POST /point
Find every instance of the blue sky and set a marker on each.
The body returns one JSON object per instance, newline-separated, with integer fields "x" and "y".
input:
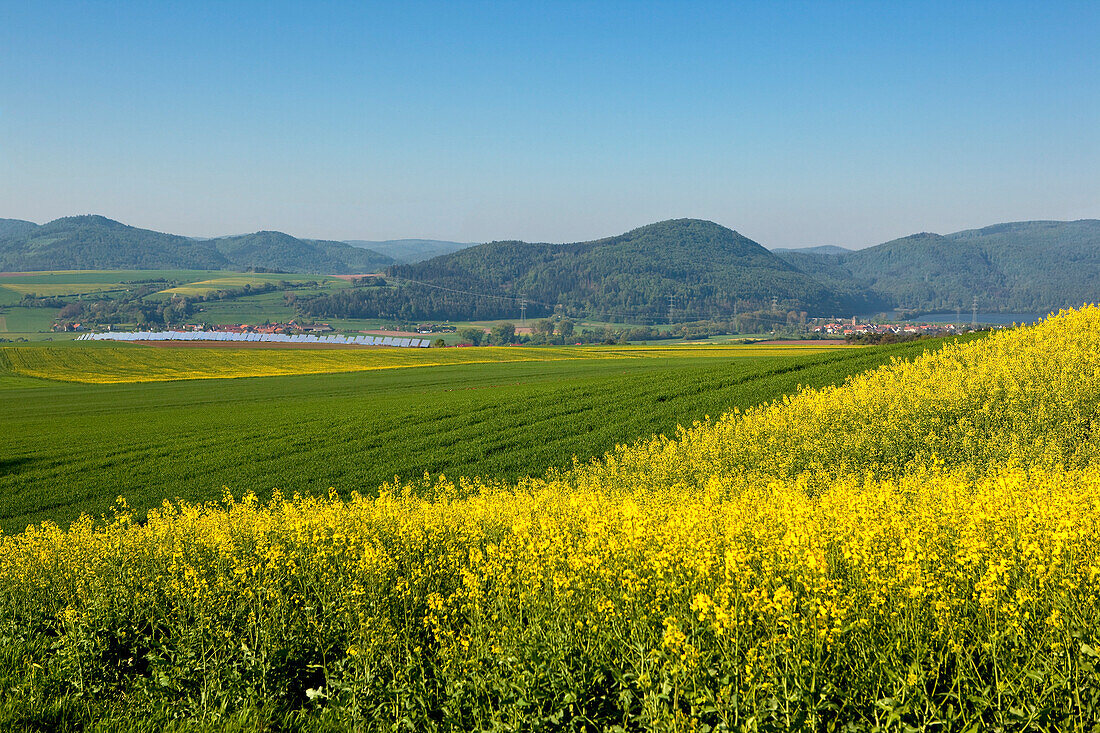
{"x": 794, "y": 123}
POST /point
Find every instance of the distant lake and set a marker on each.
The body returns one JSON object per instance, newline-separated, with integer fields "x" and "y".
{"x": 984, "y": 319}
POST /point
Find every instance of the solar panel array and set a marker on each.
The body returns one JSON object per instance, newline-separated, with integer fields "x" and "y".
{"x": 279, "y": 338}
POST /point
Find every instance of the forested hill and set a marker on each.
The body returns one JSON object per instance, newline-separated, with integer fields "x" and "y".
{"x": 15, "y": 227}
{"x": 707, "y": 270}
{"x": 279, "y": 251}
{"x": 98, "y": 243}
{"x": 1020, "y": 266}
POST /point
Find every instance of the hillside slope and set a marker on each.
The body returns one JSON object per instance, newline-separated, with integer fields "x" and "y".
{"x": 16, "y": 228}
{"x": 96, "y": 242}
{"x": 915, "y": 546}
{"x": 279, "y": 251}
{"x": 1020, "y": 266}
{"x": 707, "y": 270}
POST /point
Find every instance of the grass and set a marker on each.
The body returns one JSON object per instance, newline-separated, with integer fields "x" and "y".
{"x": 59, "y": 289}
{"x": 112, "y": 284}
{"x": 229, "y": 281}
{"x": 253, "y": 309}
{"x": 70, "y": 448}
{"x": 248, "y": 309}
{"x": 21, "y": 320}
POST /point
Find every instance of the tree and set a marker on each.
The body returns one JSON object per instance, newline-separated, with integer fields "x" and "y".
{"x": 565, "y": 328}
{"x": 473, "y": 335}
{"x": 72, "y": 310}
{"x": 503, "y": 334}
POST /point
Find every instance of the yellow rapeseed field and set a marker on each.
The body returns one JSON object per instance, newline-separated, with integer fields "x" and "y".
{"x": 918, "y": 549}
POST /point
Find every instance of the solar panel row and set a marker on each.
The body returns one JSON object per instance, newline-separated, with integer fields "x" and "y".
{"x": 267, "y": 337}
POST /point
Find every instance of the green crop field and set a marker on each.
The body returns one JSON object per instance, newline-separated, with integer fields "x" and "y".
{"x": 253, "y": 309}
{"x": 72, "y": 448}
{"x": 228, "y": 281}
{"x": 117, "y": 284}
{"x": 102, "y": 364}
{"x": 59, "y": 289}
{"x": 21, "y": 320}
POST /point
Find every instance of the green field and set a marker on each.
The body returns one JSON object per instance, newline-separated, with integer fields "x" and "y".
{"x": 60, "y": 289}
{"x": 70, "y": 448}
{"x": 254, "y": 309}
{"x": 21, "y": 320}
{"x": 119, "y": 363}
{"x": 33, "y": 323}
{"x": 228, "y": 281}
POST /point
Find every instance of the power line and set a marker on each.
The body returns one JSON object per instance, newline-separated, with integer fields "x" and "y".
{"x": 523, "y": 301}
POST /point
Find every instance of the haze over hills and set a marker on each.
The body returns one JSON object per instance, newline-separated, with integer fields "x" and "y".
{"x": 96, "y": 242}
{"x": 408, "y": 251}
{"x": 823, "y": 249}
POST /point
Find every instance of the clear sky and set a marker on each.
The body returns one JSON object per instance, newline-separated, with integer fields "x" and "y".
{"x": 793, "y": 123}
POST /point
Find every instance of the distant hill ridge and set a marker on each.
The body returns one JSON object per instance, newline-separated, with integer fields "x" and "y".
{"x": 1026, "y": 266}
{"x": 408, "y": 251}
{"x": 698, "y": 267}
{"x": 95, "y": 242}
{"x": 824, "y": 249}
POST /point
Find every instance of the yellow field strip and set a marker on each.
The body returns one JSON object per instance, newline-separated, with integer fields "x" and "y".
{"x": 98, "y": 365}
{"x": 202, "y": 287}
{"x": 59, "y": 288}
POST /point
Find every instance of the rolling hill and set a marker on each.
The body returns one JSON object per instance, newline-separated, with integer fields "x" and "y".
{"x": 279, "y": 251}
{"x": 706, "y": 270}
{"x": 99, "y": 243}
{"x": 1020, "y": 266}
{"x": 15, "y": 228}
